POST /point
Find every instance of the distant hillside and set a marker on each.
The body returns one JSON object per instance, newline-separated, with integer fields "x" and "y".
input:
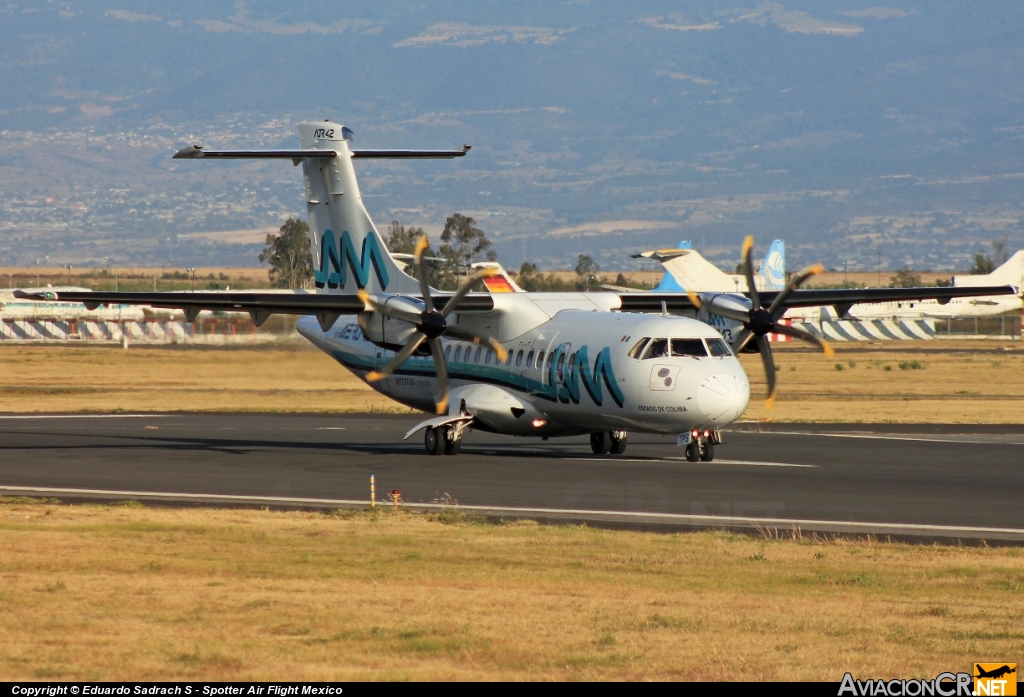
{"x": 600, "y": 128}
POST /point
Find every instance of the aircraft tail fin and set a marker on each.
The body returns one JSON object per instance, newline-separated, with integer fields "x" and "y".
{"x": 349, "y": 253}
{"x": 1009, "y": 273}
{"x": 687, "y": 269}
{"x": 773, "y": 268}
{"x": 500, "y": 282}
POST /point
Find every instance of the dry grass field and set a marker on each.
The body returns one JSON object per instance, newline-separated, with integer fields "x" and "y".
{"x": 286, "y": 377}
{"x": 125, "y": 592}
{"x": 895, "y": 382}
{"x": 898, "y": 382}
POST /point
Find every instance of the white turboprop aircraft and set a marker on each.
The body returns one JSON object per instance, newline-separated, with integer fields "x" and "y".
{"x": 525, "y": 364}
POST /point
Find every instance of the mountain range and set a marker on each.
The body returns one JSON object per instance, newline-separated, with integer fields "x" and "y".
{"x": 859, "y": 133}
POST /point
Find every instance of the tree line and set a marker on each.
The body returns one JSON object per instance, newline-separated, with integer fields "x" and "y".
{"x": 462, "y": 244}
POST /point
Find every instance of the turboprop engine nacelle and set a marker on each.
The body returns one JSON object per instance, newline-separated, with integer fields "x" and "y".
{"x": 387, "y": 331}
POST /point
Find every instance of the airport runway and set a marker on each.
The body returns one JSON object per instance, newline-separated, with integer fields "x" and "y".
{"x": 933, "y": 481}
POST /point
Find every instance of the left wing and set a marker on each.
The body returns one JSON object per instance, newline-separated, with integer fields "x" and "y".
{"x": 259, "y": 305}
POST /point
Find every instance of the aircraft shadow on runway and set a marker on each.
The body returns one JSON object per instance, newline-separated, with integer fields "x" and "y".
{"x": 245, "y": 446}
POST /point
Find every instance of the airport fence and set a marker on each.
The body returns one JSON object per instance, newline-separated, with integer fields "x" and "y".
{"x": 203, "y": 331}
{"x": 993, "y": 326}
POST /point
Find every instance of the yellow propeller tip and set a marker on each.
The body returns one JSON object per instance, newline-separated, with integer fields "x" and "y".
{"x": 421, "y": 246}
{"x": 748, "y": 242}
{"x": 694, "y": 298}
{"x": 827, "y": 348}
{"x": 770, "y": 402}
{"x": 816, "y": 269}
{"x": 442, "y": 406}
{"x": 374, "y": 376}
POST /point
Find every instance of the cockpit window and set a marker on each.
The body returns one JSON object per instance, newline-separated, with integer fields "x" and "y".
{"x": 688, "y": 347}
{"x": 718, "y": 348}
{"x": 638, "y": 348}
{"x": 657, "y": 349}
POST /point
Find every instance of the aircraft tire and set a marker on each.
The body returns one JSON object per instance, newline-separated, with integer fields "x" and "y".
{"x": 693, "y": 451}
{"x": 708, "y": 453}
{"x": 600, "y": 442}
{"x": 434, "y": 440}
{"x": 618, "y": 445}
{"x": 452, "y": 447}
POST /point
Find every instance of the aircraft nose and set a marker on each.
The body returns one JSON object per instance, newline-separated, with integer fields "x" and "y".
{"x": 723, "y": 397}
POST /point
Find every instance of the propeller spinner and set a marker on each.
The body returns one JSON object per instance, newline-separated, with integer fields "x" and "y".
{"x": 431, "y": 325}
{"x": 759, "y": 320}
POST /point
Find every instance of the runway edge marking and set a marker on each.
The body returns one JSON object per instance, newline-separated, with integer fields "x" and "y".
{"x": 697, "y": 521}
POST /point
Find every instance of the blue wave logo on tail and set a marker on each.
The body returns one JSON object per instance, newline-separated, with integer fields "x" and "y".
{"x": 333, "y": 271}
{"x": 774, "y": 267}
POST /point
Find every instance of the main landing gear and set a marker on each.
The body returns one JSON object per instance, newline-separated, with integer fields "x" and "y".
{"x": 444, "y": 439}
{"x": 613, "y": 442}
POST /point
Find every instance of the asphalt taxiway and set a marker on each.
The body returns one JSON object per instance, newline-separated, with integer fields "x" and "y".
{"x": 938, "y": 482}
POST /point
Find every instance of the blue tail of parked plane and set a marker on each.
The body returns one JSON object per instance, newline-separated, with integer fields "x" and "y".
{"x": 770, "y": 276}
{"x": 668, "y": 283}
{"x": 773, "y": 268}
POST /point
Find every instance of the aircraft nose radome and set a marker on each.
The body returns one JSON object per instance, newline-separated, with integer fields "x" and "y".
{"x": 723, "y": 397}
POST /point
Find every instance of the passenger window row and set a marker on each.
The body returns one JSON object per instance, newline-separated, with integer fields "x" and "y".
{"x": 469, "y": 354}
{"x": 665, "y": 348}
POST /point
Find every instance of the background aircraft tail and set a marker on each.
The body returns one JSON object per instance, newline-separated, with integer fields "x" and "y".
{"x": 694, "y": 272}
{"x": 1010, "y": 273}
{"x": 685, "y": 267}
{"x": 773, "y": 268}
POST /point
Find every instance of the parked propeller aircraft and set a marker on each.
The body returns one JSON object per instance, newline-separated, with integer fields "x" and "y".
{"x": 686, "y": 269}
{"x": 525, "y": 364}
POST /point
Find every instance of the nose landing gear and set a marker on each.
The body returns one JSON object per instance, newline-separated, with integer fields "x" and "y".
{"x": 700, "y": 445}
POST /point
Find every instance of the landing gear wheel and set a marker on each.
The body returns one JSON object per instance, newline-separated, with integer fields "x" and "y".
{"x": 618, "y": 442}
{"x": 434, "y": 440}
{"x": 600, "y": 442}
{"x": 693, "y": 451}
{"x": 708, "y": 452}
{"x": 452, "y": 447}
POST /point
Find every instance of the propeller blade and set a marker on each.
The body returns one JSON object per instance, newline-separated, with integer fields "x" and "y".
{"x": 805, "y": 336}
{"x": 421, "y": 270}
{"x": 464, "y": 335}
{"x": 401, "y": 357}
{"x": 694, "y": 298}
{"x": 741, "y": 340}
{"x": 395, "y": 312}
{"x": 795, "y": 282}
{"x": 765, "y": 349}
{"x": 437, "y": 351}
{"x": 466, "y": 287}
{"x": 748, "y": 270}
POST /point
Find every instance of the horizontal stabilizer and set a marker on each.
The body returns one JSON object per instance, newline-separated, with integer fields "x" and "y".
{"x": 199, "y": 151}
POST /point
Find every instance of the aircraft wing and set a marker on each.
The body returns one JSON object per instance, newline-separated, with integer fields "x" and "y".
{"x": 326, "y": 308}
{"x": 819, "y": 297}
